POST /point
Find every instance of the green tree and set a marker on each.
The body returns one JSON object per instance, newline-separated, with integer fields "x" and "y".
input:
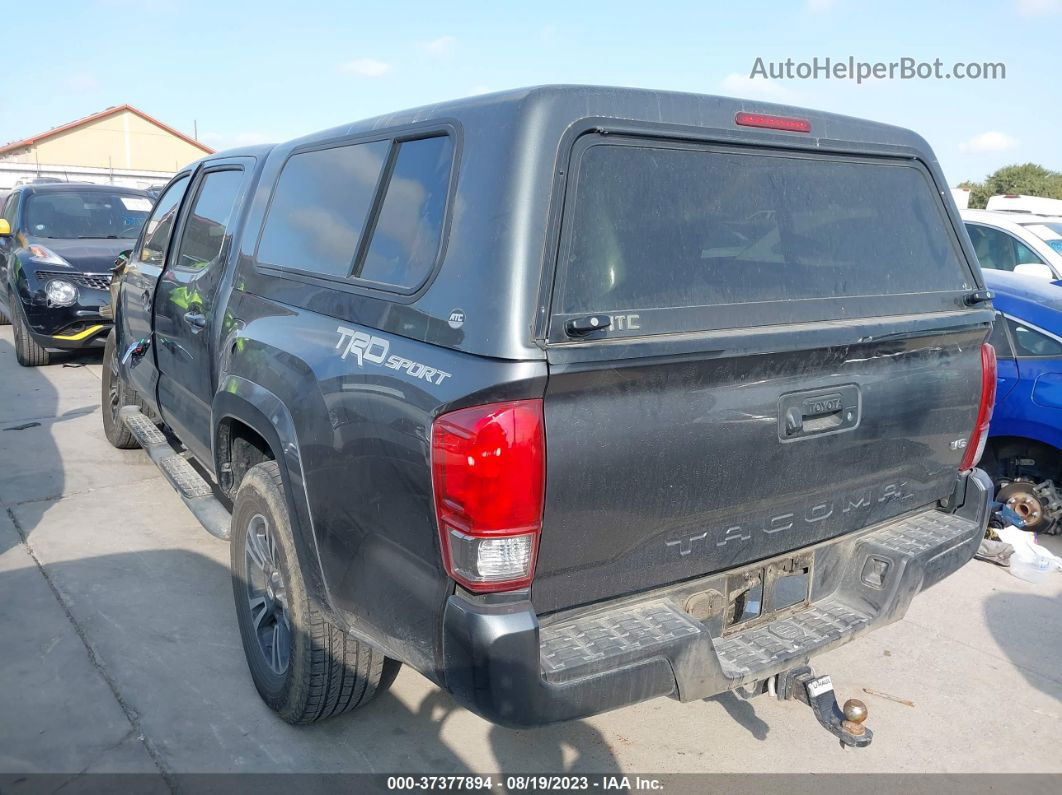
{"x": 1028, "y": 179}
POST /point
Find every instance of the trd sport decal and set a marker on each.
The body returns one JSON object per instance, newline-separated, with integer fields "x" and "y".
{"x": 367, "y": 348}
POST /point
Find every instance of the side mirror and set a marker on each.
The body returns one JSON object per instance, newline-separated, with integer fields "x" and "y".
{"x": 1037, "y": 270}
{"x": 121, "y": 259}
{"x": 5, "y": 228}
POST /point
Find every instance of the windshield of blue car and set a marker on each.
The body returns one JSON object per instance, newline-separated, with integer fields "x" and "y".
{"x": 86, "y": 214}
{"x": 1049, "y": 231}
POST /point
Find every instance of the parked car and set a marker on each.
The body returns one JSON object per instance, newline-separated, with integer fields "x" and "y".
{"x": 1016, "y": 202}
{"x": 1027, "y": 244}
{"x": 1024, "y": 451}
{"x": 58, "y": 243}
{"x": 566, "y": 397}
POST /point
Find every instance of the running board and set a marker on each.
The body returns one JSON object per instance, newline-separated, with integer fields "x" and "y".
{"x": 197, "y": 494}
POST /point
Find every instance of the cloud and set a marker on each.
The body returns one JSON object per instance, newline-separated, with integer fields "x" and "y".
{"x": 442, "y": 47}
{"x": 477, "y": 90}
{"x": 1033, "y": 8}
{"x": 821, "y": 6}
{"x": 365, "y": 67}
{"x": 990, "y": 141}
{"x": 745, "y": 86}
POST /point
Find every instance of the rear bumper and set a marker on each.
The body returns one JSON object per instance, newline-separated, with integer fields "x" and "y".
{"x": 501, "y": 663}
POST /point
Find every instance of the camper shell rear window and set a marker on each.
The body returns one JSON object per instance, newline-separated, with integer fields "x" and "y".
{"x": 670, "y": 237}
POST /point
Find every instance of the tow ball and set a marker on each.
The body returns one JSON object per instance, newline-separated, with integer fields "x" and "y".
{"x": 817, "y": 692}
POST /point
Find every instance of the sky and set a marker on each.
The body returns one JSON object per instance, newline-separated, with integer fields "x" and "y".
{"x": 247, "y": 72}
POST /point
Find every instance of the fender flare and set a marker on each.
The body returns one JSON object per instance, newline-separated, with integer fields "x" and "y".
{"x": 262, "y": 411}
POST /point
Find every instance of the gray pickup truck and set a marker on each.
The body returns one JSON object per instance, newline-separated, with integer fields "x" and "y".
{"x": 566, "y": 397}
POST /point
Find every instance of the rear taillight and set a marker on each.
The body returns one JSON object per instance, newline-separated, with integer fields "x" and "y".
{"x": 976, "y": 444}
{"x": 488, "y": 470}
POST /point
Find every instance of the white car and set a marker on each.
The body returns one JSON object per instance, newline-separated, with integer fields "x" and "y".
{"x": 1024, "y": 243}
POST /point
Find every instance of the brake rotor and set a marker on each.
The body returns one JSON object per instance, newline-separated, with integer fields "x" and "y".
{"x": 1038, "y": 504}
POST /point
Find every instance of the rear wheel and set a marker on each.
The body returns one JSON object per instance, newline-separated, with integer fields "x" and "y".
{"x": 116, "y": 393}
{"x": 304, "y": 667}
{"x": 27, "y": 351}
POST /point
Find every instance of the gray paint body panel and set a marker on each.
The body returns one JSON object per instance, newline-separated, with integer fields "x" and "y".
{"x": 649, "y": 441}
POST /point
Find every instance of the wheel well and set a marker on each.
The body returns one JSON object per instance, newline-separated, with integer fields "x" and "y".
{"x": 240, "y": 447}
{"x": 1013, "y": 456}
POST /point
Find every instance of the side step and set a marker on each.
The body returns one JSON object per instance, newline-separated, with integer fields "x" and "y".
{"x": 194, "y": 490}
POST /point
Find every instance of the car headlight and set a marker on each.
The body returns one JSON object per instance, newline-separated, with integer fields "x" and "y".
{"x": 45, "y": 255}
{"x": 60, "y": 293}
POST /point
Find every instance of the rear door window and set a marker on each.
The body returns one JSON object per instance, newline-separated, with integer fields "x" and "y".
{"x": 693, "y": 238}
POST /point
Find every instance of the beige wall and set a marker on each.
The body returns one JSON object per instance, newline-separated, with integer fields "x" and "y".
{"x": 123, "y": 140}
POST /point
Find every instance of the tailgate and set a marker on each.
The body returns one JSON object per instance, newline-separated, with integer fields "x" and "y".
{"x": 665, "y": 470}
{"x": 788, "y": 359}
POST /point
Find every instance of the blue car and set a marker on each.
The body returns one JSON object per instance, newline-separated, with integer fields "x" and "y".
{"x": 1024, "y": 450}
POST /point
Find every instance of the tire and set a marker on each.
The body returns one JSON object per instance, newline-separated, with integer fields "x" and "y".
{"x": 27, "y": 352}
{"x": 116, "y": 394}
{"x": 304, "y": 667}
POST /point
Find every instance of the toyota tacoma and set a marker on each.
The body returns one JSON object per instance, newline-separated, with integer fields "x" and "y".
{"x": 565, "y": 397}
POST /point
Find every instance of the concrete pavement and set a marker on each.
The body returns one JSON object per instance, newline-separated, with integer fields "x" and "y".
{"x": 119, "y": 651}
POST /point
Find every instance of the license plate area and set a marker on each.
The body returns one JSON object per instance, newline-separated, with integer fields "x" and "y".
{"x": 765, "y": 592}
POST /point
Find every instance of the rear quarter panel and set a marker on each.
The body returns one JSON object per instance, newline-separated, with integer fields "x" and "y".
{"x": 361, "y": 436}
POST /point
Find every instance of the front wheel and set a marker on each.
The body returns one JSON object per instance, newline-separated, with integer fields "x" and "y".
{"x": 303, "y": 666}
{"x": 116, "y": 394}
{"x": 27, "y": 352}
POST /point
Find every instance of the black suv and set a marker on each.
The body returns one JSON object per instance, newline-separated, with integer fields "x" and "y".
{"x": 566, "y": 397}
{"x": 58, "y": 243}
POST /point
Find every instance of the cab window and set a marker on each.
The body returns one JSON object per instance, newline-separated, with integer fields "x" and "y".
{"x": 319, "y": 208}
{"x": 408, "y": 230}
{"x": 159, "y": 225}
{"x": 369, "y": 212}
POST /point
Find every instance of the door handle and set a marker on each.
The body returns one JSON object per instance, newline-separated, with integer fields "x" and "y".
{"x": 197, "y": 320}
{"x": 807, "y": 413}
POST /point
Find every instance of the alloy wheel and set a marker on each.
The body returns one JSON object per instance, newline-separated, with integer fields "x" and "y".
{"x": 267, "y": 596}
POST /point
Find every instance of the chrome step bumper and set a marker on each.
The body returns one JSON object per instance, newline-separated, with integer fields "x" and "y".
{"x": 610, "y": 638}
{"x": 506, "y": 663}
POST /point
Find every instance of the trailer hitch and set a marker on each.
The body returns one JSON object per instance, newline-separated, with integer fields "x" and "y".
{"x": 817, "y": 692}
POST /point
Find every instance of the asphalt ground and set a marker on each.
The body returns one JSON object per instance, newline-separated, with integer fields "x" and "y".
{"x": 119, "y": 651}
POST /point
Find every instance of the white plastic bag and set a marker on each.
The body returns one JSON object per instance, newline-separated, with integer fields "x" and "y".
{"x": 1030, "y": 561}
